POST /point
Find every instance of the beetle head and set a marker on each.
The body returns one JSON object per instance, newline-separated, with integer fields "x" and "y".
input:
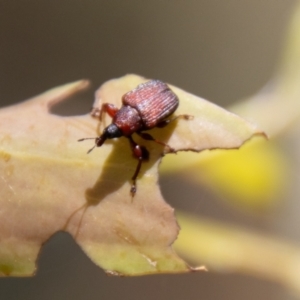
{"x": 110, "y": 132}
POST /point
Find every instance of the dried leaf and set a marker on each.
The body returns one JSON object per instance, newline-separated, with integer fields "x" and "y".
{"x": 48, "y": 182}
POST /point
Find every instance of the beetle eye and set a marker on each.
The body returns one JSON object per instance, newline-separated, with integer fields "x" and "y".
{"x": 112, "y": 131}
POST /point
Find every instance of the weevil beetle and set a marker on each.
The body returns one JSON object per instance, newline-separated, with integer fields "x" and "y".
{"x": 147, "y": 106}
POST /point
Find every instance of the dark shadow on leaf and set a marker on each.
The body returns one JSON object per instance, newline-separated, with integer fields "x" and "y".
{"x": 119, "y": 168}
{"x": 120, "y": 164}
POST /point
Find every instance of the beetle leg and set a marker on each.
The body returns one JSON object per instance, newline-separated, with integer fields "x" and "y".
{"x": 148, "y": 137}
{"x": 142, "y": 154}
{"x": 105, "y": 108}
{"x": 168, "y": 121}
{"x": 108, "y": 108}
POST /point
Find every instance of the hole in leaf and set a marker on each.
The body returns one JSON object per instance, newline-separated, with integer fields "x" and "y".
{"x": 78, "y": 104}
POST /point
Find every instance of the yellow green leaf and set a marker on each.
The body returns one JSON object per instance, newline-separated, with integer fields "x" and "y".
{"x": 229, "y": 248}
{"x": 49, "y": 183}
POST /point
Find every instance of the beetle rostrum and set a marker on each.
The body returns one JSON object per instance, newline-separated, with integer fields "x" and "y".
{"x": 147, "y": 106}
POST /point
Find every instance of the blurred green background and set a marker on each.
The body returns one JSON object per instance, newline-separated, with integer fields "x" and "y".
{"x": 220, "y": 50}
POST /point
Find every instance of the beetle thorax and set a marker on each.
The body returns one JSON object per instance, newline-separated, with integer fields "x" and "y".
{"x": 128, "y": 120}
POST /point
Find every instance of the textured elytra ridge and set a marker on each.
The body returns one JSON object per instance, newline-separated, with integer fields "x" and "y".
{"x": 48, "y": 182}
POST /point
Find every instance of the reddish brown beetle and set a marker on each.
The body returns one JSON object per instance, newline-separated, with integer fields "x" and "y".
{"x": 145, "y": 107}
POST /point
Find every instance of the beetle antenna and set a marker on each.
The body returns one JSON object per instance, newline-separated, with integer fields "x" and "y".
{"x": 91, "y": 149}
{"x": 80, "y": 140}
